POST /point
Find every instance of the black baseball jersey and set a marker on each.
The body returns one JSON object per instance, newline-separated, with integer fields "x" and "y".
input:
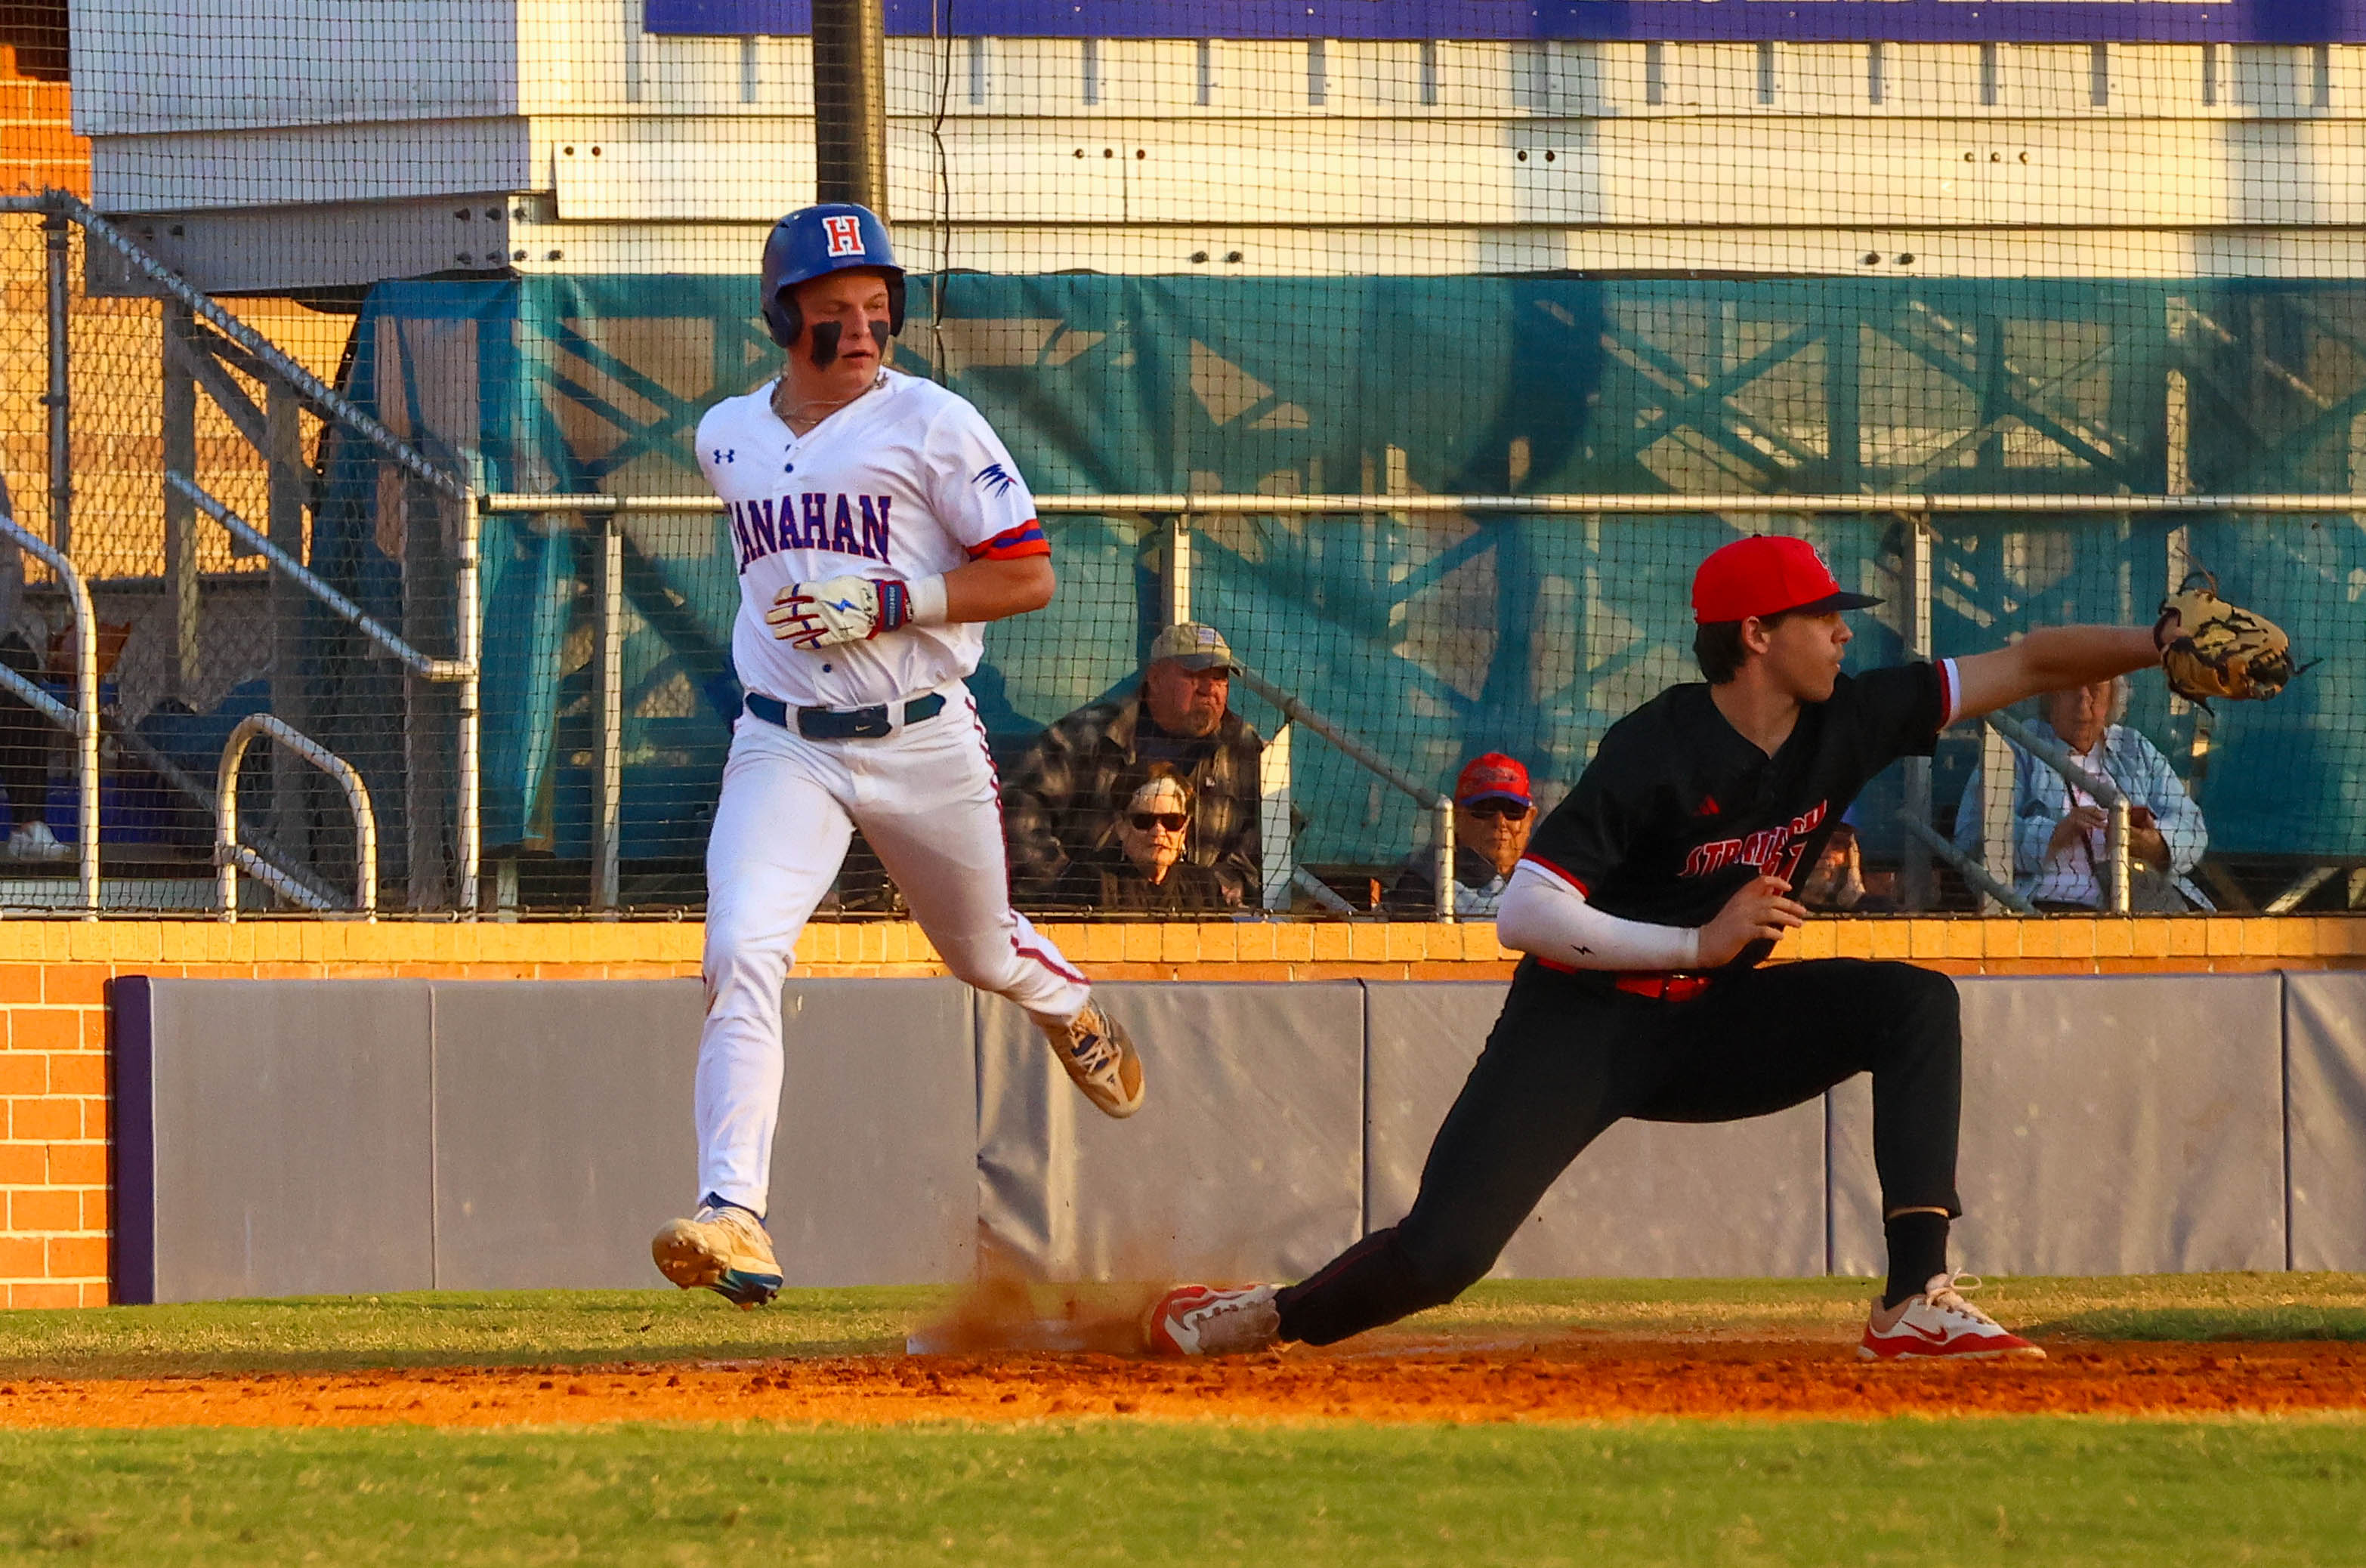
{"x": 1677, "y": 810}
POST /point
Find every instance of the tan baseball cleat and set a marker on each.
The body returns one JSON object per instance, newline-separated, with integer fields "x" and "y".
{"x": 723, "y": 1248}
{"x": 1100, "y": 1059}
{"x": 1938, "y": 1324}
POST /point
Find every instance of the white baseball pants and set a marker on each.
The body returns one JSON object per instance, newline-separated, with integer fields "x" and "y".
{"x": 926, "y": 798}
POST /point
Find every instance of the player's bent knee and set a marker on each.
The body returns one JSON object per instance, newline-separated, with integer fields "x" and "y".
{"x": 1925, "y": 1016}
{"x": 733, "y": 967}
{"x": 1931, "y": 995}
{"x": 1910, "y": 990}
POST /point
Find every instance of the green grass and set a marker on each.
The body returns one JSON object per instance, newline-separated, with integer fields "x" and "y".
{"x": 1906, "y": 1492}
{"x": 543, "y": 1327}
{"x": 2140, "y": 1306}
{"x": 1910, "y": 1493}
{"x": 454, "y": 1328}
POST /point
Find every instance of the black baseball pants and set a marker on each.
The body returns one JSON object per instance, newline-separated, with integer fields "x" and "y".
{"x": 1570, "y": 1056}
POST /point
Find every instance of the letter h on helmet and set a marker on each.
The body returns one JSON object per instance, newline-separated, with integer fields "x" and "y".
{"x": 814, "y": 242}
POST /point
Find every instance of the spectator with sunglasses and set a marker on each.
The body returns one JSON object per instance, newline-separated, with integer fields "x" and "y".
{"x": 1148, "y": 874}
{"x": 1492, "y": 813}
{"x": 1063, "y": 800}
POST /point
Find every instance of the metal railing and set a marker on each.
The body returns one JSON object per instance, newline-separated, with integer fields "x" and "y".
{"x": 1174, "y": 514}
{"x": 258, "y": 356}
{"x": 1282, "y": 874}
{"x": 1440, "y": 809}
{"x": 1174, "y": 511}
{"x": 1906, "y": 503}
{"x": 1970, "y": 870}
{"x": 2056, "y": 756}
{"x": 1177, "y": 607}
{"x": 424, "y": 666}
{"x": 81, "y": 721}
{"x": 255, "y": 356}
{"x": 61, "y": 207}
{"x": 1993, "y": 875}
{"x": 230, "y": 857}
{"x": 461, "y": 671}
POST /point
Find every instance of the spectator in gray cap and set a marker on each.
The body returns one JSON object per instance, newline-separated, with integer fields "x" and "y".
{"x": 1064, "y": 799}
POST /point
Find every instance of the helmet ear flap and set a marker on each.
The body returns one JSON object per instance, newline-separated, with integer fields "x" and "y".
{"x": 895, "y": 304}
{"x": 781, "y": 316}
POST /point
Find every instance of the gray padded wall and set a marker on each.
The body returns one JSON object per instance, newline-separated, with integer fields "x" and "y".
{"x": 291, "y": 1128}
{"x": 563, "y": 1134}
{"x": 1245, "y": 1162}
{"x": 390, "y": 1135}
{"x": 287, "y": 1137}
{"x": 875, "y": 1169}
{"x": 1647, "y": 1199}
{"x": 2324, "y": 1036}
{"x": 2117, "y": 1124}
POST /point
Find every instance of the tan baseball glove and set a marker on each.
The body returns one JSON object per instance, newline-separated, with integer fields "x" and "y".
{"x": 2212, "y": 649}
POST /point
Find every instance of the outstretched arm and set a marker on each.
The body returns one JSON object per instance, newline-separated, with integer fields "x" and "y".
{"x": 2051, "y": 659}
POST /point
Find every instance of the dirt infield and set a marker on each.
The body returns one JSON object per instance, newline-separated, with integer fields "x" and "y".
{"x": 1572, "y": 1377}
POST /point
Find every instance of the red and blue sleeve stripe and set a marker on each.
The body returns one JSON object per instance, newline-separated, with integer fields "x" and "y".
{"x": 1551, "y": 870}
{"x": 1014, "y": 544}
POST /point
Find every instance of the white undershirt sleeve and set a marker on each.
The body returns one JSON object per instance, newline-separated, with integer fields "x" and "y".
{"x": 1544, "y": 915}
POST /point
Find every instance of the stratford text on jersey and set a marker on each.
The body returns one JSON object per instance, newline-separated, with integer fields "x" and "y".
{"x": 814, "y": 520}
{"x": 1765, "y": 849}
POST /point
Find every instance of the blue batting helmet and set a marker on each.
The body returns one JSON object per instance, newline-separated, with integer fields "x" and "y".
{"x": 814, "y": 242}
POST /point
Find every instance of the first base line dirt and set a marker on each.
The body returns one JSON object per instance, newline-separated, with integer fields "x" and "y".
{"x": 1575, "y": 1378}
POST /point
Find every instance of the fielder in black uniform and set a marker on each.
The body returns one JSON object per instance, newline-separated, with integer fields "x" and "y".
{"x": 1645, "y": 904}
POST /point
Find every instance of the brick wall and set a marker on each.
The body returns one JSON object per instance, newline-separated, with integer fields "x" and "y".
{"x": 119, "y": 455}
{"x": 38, "y": 148}
{"x": 54, "y": 976}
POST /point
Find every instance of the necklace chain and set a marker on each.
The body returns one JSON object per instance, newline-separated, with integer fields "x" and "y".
{"x": 788, "y": 412}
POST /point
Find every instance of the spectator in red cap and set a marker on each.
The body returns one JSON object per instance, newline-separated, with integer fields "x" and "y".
{"x": 1492, "y": 813}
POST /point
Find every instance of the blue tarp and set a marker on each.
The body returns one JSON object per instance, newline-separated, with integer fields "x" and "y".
{"x": 1433, "y": 637}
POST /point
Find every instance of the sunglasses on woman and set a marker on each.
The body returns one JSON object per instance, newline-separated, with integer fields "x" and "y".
{"x": 1173, "y": 822}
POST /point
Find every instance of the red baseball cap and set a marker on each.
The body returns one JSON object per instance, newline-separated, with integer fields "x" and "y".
{"x": 1765, "y": 575}
{"x": 1492, "y": 776}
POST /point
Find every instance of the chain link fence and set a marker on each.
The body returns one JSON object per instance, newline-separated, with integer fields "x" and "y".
{"x": 1982, "y": 306}
{"x": 193, "y": 471}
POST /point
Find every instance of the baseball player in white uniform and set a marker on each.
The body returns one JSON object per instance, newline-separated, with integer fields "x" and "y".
{"x": 877, "y": 522}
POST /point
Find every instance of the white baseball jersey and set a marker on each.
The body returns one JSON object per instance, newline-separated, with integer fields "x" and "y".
{"x": 906, "y": 482}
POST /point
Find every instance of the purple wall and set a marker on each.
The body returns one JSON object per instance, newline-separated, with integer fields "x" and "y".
{"x": 2013, "y": 21}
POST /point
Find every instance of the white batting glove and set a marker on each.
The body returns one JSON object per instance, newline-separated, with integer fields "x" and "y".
{"x": 841, "y": 609}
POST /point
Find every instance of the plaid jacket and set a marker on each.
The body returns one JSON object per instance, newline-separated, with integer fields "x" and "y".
{"x": 1061, "y": 802}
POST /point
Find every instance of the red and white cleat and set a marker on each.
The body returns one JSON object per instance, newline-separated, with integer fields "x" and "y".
{"x": 1940, "y": 1325}
{"x": 1199, "y": 1320}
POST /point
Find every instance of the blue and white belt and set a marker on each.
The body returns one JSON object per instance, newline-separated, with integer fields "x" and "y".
{"x": 843, "y": 724}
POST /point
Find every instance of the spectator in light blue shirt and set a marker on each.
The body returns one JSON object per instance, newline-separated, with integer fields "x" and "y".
{"x": 2058, "y": 850}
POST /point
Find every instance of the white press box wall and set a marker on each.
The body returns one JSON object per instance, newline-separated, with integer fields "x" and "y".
{"x": 276, "y": 143}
